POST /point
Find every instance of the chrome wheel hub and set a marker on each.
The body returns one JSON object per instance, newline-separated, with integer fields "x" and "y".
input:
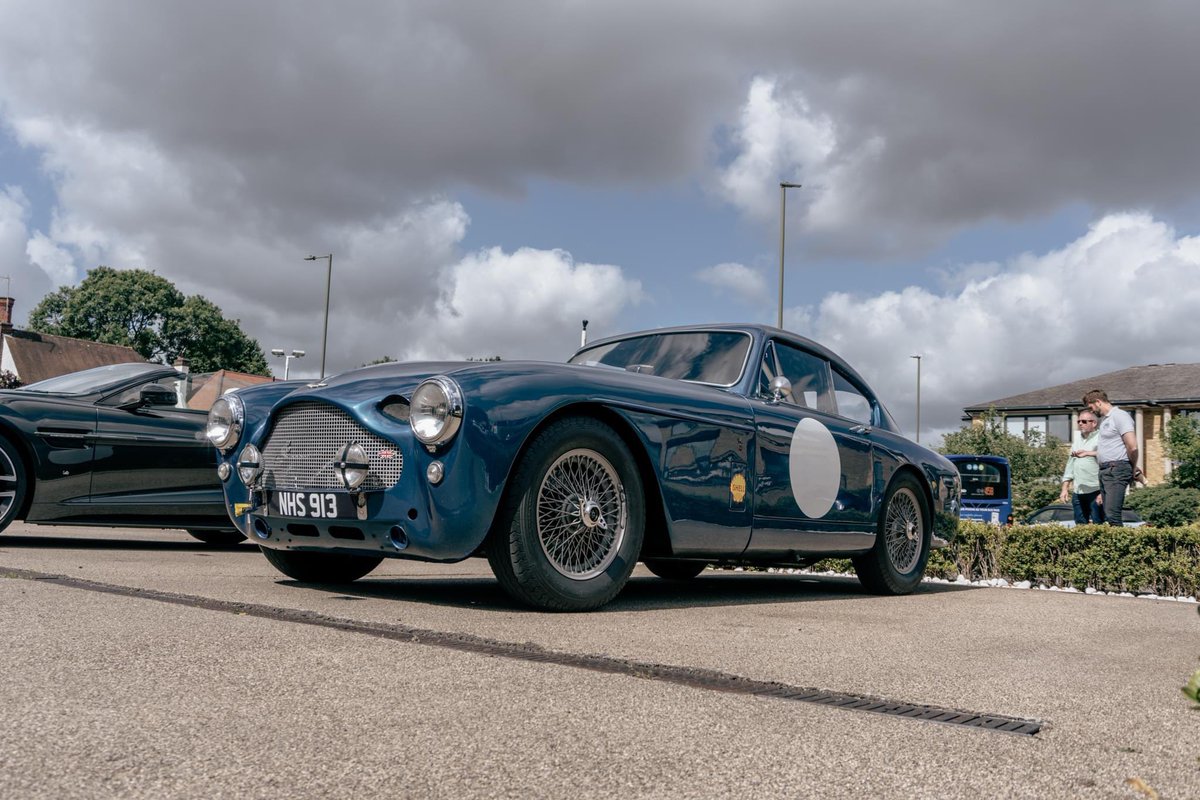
{"x": 581, "y": 514}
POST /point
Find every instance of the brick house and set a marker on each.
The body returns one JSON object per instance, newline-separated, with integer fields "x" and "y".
{"x": 1153, "y": 394}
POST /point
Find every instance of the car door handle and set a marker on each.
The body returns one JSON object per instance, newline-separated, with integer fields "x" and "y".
{"x": 861, "y": 429}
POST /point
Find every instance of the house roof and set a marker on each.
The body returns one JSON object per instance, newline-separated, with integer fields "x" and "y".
{"x": 1163, "y": 384}
{"x": 38, "y": 356}
{"x": 208, "y": 386}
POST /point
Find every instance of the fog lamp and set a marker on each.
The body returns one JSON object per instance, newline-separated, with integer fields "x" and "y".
{"x": 249, "y": 465}
{"x": 352, "y": 465}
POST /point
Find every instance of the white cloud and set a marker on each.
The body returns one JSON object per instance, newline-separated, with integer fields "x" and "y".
{"x": 53, "y": 260}
{"x": 780, "y": 138}
{"x": 526, "y": 304}
{"x": 747, "y": 284}
{"x": 1124, "y": 293}
{"x": 25, "y": 279}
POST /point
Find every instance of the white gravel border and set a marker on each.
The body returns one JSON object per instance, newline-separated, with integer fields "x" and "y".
{"x": 997, "y": 583}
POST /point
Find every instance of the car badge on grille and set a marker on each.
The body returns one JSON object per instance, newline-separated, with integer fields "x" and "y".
{"x": 387, "y": 452}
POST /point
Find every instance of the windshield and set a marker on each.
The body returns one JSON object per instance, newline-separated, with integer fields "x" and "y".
{"x": 91, "y": 380}
{"x": 982, "y": 480}
{"x": 716, "y": 357}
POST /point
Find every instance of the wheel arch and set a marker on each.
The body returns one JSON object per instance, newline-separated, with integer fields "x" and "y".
{"x": 656, "y": 539}
{"x": 14, "y": 437}
{"x": 926, "y": 493}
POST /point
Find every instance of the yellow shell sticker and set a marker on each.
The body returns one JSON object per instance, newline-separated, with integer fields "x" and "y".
{"x": 240, "y": 508}
{"x": 737, "y": 487}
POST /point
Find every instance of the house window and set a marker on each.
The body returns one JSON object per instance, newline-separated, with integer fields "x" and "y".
{"x": 1056, "y": 425}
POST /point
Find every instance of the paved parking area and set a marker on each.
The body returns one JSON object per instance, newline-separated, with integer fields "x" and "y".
{"x": 144, "y": 664}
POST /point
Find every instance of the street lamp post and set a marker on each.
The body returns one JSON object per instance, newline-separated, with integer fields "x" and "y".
{"x": 918, "y": 358}
{"x": 783, "y": 187}
{"x": 328, "y": 281}
{"x": 287, "y": 358}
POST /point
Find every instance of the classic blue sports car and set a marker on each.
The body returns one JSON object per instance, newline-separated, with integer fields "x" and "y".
{"x": 680, "y": 447}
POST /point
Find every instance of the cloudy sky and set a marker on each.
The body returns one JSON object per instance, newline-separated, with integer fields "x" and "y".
{"x": 1011, "y": 190}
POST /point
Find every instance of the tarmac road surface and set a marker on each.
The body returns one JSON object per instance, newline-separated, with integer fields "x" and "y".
{"x": 143, "y": 664}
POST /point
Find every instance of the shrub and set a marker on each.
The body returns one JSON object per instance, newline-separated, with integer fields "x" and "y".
{"x": 1166, "y": 506}
{"x": 1163, "y": 561}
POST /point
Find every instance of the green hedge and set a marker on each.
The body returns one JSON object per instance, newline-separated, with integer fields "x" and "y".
{"x": 1163, "y": 561}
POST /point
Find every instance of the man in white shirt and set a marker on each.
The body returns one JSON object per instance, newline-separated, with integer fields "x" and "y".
{"x": 1117, "y": 452}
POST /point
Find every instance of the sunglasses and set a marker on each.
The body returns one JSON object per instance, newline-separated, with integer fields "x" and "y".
{"x": 1086, "y": 422}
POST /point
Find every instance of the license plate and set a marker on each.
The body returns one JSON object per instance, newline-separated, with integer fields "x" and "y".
{"x": 312, "y": 505}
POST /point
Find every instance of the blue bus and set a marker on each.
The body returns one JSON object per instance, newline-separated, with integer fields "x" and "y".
{"x": 986, "y": 488}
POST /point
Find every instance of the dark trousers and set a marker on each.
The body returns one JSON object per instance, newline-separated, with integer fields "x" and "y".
{"x": 1114, "y": 480}
{"x": 1087, "y": 509}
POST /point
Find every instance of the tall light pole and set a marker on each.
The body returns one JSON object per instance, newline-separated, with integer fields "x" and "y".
{"x": 328, "y": 281}
{"x": 783, "y": 187}
{"x": 918, "y": 358}
{"x": 287, "y": 358}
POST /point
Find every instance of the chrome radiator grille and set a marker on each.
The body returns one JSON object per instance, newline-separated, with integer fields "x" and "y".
{"x": 307, "y": 439}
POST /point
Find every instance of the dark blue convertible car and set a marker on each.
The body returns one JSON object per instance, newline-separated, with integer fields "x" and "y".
{"x": 681, "y": 447}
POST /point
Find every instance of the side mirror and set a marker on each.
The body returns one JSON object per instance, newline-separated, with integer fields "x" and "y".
{"x": 781, "y": 388}
{"x": 155, "y": 394}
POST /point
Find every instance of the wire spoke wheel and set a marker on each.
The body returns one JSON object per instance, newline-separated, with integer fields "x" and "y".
{"x": 573, "y": 521}
{"x": 903, "y": 530}
{"x": 582, "y": 516}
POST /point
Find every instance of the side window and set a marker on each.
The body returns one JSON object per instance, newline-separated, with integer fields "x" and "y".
{"x": 809, "y": 376}
{"x": 851, "y": 403}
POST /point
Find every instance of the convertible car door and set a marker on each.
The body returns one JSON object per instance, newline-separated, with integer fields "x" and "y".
{"x": 815, "y": 468}
{"x": 155, "y": 460}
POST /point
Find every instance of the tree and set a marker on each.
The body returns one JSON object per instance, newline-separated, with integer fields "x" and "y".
{"x": 1183, "y": 448}
{"x": 1036, "y": 460}
{"x": 198, "y": 332}
{"x": 144, "y": 311}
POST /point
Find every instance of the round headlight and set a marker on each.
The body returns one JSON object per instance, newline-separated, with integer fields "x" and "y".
{"x": 353, "y": 465}
{"x": 225, "y": 421}
{"x": 436, "y": 411}
{"x": 249, "y": 464}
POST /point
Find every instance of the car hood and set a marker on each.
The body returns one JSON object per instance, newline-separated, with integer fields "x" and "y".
{"x": 374, "y": 382}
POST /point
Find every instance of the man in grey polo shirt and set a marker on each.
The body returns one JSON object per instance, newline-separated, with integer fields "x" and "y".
{"x": 1117, "y": 452}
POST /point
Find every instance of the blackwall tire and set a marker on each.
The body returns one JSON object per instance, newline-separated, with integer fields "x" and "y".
{"x": 317, "y": 567}
{"x": 675, "y": 570}
{"x": 571, "y": 527}
{"x": 14, "y": 483}
{"x": 896, "y": 564}
{"x": 218, "y": 538}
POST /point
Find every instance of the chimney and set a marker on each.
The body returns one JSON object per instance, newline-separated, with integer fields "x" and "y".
{"x": 6, "y": 307}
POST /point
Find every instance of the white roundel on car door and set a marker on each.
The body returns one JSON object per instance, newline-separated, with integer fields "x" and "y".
{"x": 815, "y": 468}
